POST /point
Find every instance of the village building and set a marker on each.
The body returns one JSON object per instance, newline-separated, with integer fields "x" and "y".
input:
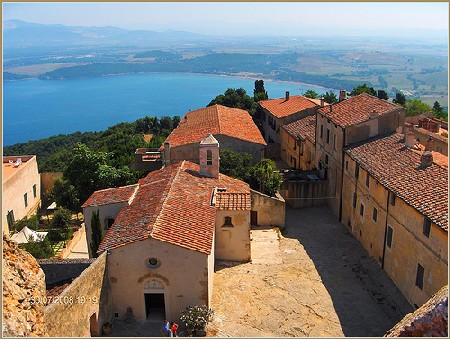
{"x": 233, "y": 128}
{"x": 429, "y": 130}
{"x": 282, "y": 111}
{"x": 344, "y": 123}
{"x": 21, "y": 189}
{"x": 168, "y": 230}
{"x": 298, "y": 144}
{"x": 395, "y": 202}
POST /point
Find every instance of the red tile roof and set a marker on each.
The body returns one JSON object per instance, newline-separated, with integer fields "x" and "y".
{"x": 173, "y": 205}
{"x": 304, "y": 128}
{"x": 282, "y": 108}
{"x": 397, "y": 168}
{"x": 110, "y": 196}
{"x": 356, "y": 109}
{"x": 217, "y": 120}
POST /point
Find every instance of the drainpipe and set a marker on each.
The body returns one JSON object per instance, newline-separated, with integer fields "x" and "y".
{"x": 385, "y": 229}
{"x": 342, "y": 177}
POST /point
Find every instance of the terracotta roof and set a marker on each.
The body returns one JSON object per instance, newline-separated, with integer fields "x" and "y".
{"x": 356, "y": 109}
{"x": 397, "y": 168}
{"x": 282, "y": 108}
{"x": 110, "y": 196}
{"x": 304, "y": 128}
{"x": 173, "y": 205}
{"x": 233, "y": 201}
{"x": 216, "y": 120}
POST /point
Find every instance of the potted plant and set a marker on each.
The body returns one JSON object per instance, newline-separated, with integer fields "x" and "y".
{"x": 107, "y": 328}
{"x": 196, "y": 318}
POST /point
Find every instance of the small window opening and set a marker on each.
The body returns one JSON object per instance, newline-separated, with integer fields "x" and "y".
{"x": 228, "y": 222}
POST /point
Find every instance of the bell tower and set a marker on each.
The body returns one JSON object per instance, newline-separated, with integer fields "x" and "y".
{"x": 209, "y": 156}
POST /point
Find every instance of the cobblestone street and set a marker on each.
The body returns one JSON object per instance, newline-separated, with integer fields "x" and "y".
{"x": 315, "y": 279}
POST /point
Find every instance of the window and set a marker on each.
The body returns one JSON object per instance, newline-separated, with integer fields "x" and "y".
{"x": 354, "y": 200}
{"x": 321, "y": 131}
{"x": 390, "y": 233}
{"x": 295, "y": 144}
{"x": 367, "y": 179}
{"x": 108, "y": 223}
{"x": 375, "y": 214}
{"x": 426, "y": 227}
{"x": 334, "y": 141}
{"x": 357, "y": 171}
{"x": 361, "y": 210}
{"x": 392, "y": 199}
{"x": 209, "y": 157}
{"x": 326, "y": 159}
{"x": 227, "y": 222}
{"x": 328, "y": 136}
{"x": 419, "y": 276}
{"x": 10, "y": 218}
{"x": 25, "y": 199}
{"x": 34, "y": 190}
{"x": 346, "y": 165}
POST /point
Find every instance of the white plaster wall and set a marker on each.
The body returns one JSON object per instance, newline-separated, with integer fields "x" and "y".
{"x": 16, "y": 186}
{"x": 184, "y": 274}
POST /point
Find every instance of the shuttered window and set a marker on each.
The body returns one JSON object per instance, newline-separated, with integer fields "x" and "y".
{"x": 419, "y": 276}
{"x": 390, "y": 232}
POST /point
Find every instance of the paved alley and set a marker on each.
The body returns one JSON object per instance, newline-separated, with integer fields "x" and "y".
{"x": 315, "y": 279}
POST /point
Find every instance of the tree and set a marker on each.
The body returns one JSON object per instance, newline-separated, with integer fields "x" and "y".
{"x": 310, "y": 94}
{"x": 62, "y": 218}
{"x": 88, "y": 172}
{"x": 39, "y": 249}
{"x": 363, "y": 89}
{"x": 96, "y": 235}
{"x": 176, "y": 121}
{"x": 382, "y": 94}
{"x": 196, "y": 317}
{"x": 31, "y": 222}
{"x": 259, "y": 93}
{"x": 234, "y": 164}
{"x": 399, "y": 99}
{"x": 235, "y": 98}
{"x": 65, "y": 195}
{"x": 439, "y": 112}
{"x": 330, "y": 97}
{"x": 416, "y": 107}
{"x": 266, "y": 175}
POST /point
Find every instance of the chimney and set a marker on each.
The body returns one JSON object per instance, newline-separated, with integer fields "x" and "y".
{"x": 429, "y": 144}
{"x": 166, "y": 154}
{"x": 410, "y": 140}
{"x": 322, "y": 101}
{"x": 287, "y": 95}
{"x": 373, "y": 114}
{"x": 426, "y": 159}
{"x": 342, "y": 95}
{"x": 407, "y": 127}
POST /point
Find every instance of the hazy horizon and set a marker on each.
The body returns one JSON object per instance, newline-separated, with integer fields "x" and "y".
{"x": 421, "y": 20}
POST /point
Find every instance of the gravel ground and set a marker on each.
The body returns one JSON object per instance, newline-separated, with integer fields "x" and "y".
{"x": 315, "y": 279}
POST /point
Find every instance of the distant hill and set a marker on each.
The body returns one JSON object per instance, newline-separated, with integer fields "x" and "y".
{"x": 26, "y": 34}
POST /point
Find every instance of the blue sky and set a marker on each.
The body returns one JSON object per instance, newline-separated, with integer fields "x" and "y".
{"x": 239, "y": 18}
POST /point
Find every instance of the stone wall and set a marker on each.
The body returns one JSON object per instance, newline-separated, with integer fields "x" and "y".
{"x": 272, "y": 151}
{"x": 23, "y": 285}
{"x": 271, "y": 211}
{"x": 430, "y": 320}
{"x": 309, "y": 193}
{"x": 84, "y": 306}
{"x": 78, "y": 234}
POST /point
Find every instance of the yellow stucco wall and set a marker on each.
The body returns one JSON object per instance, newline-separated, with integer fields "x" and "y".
{"x": 409, "y": 245}
{"x": 21, "y": 182}
{"x": 233, "y": 243}
{"x": 182, "y": 273}
{"x": 303, "y": 151}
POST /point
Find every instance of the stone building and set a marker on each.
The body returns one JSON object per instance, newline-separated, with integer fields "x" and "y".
{"x": 280, "y": 112}
{"x": 395, "y": 202}
{"x": 168, "y": 231}
{"x": 429, "y": 133}
{"x": 232, "y": 127}
{"x": 344, "y": 123}
{"x": 21, "y": 189}
{"x": 298, "y": 144}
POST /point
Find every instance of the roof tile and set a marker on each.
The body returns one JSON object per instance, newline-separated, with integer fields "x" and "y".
{"x": 110, "y": 196}
{"x": 304, "y": 128}
{"x": 282, "y": 108}
{"x": 397, "y": 167}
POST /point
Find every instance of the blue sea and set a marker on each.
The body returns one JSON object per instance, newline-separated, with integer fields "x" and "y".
{"x": 35, "y": 109}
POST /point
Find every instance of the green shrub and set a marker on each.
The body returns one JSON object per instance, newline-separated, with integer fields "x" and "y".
{"x": 196, "y": 317}
{"x": 39, "y": 250}
{"x": 62, "y": 218}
